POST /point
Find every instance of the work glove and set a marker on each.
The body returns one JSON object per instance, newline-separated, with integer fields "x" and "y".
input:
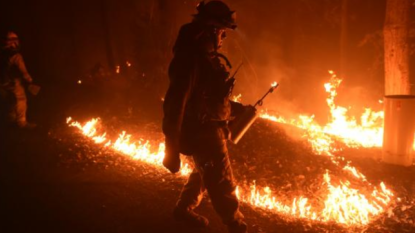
{"x": 237, "y": 109}
{"x": 171, "y": 159}
{"x": 33, "y": 89}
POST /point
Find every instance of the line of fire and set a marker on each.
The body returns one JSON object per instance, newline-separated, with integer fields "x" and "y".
{"x": 188, "y": 116}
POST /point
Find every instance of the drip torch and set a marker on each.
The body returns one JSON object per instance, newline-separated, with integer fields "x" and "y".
{"x": 243, "y": 122}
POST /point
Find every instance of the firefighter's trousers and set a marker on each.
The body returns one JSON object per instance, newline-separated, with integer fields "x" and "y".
{"x": 14, "y": 102}
{"x": 213, "y": 173}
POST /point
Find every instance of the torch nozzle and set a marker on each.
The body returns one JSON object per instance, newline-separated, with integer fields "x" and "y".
{"x": 261, "y": 101}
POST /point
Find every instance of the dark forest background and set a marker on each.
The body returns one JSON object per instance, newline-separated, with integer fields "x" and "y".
{"x": 294, "y": 42}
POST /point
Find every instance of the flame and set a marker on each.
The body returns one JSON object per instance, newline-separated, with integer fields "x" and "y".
{"x": 274, "y": 84}
{"x": 237, "y": 98}
{"x": 367, "y": 133}
{"x": 138, "y": 150}
{"x": 355, "y": 172}
{"x": 347, "y": 205}
{"x": 264, "y": 199}
{"x": 342, "y": 203}
{"x": 79, "y": 82}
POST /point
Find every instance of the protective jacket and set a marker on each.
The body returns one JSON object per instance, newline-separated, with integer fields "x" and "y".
{"x": 12, "y": 68}
{"x": 12, "y": 94}
{"x": 198, "y": 91}
{"x": 196, "y": 112}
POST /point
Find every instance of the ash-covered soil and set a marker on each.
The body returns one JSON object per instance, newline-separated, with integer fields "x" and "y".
{"x": 53, "y": 179}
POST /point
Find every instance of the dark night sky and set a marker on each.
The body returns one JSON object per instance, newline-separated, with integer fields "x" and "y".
{"x": 294, "y": 42}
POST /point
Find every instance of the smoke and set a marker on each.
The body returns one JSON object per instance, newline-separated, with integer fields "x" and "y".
{"x": 292, "y": 42}
{"x": 295, "y": 44}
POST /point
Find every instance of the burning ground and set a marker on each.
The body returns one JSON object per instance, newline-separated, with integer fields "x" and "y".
{"x": 71, "y": 179}
{"x": 294, "y": 170}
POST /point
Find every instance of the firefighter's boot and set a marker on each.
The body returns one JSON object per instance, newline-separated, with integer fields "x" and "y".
{"x": 26, "y": 125}
{"x": 190, "y": 217}
{"x": 238, "y": 227}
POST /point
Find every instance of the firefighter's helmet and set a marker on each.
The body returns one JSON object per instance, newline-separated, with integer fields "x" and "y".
{"x": 216, "y": 12}
{"x": 10, "y": 41}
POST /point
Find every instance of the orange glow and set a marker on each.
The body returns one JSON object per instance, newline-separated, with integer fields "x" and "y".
{"x": 237, "y": 98}
{"x": 138, "y": 150}
{"x": 340, "y": 203}
{"x": 344, "y": 204}
{"x": 368, "y": 132}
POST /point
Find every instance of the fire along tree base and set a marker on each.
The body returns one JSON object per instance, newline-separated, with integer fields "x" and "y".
{"x": 399, "y": 129}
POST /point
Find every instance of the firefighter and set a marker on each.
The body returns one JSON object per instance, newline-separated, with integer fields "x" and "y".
{"x": 13, "y": 73}
{"x": 197, "y": 110}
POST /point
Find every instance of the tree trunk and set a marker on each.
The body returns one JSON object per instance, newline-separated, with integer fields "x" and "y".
{"x": 395, "y": 32}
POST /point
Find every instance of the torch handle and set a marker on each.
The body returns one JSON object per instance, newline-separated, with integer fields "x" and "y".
{"x": 260, "y": 101}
